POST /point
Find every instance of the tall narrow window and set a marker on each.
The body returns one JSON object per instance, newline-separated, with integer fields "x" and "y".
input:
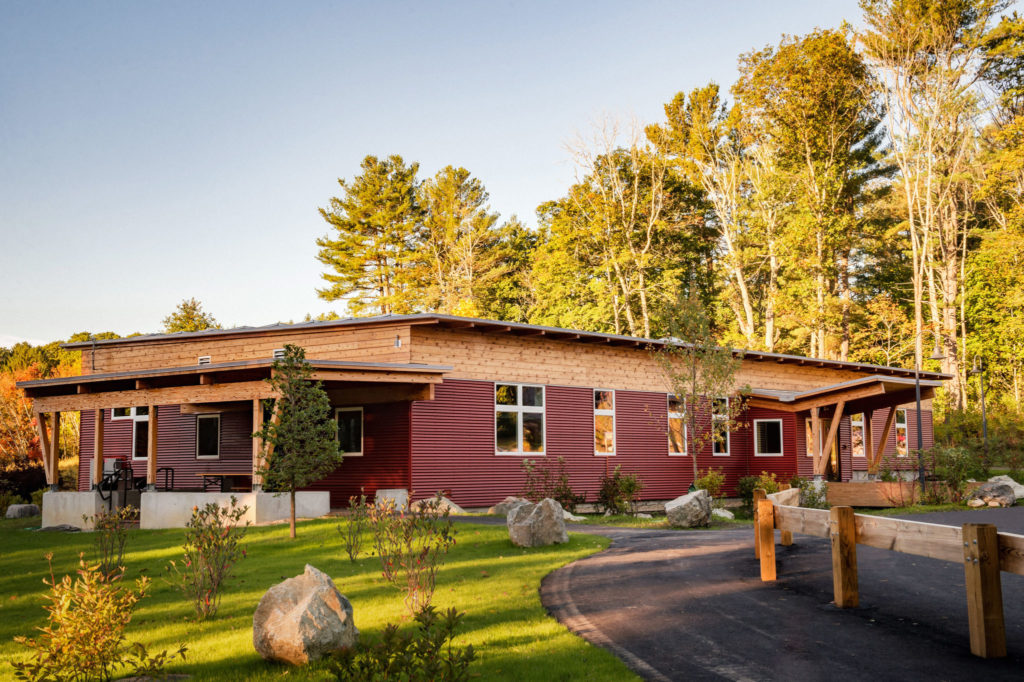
{"x": 901, "y": 433}
{"x": 768, "y": 438}
{"x": 208, "y": 436}
{"x": 604, "y": 422}
{"x": 350, "y": 431}
{"x": 857, "y": 434}
{"x": 677, "y": 429}
{"x": 720, "y": 427}
{"x": 518, "y": 419}
{"x": 140, "y": 432}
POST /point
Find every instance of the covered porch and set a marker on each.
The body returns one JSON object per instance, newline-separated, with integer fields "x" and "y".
{"x": 129, "y": 461}
{"x": 823, "y": 409}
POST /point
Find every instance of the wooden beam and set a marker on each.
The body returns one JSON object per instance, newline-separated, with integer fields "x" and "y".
{"x": 83, "y": 388}
{"x": 377, "y": 377}
{"x": 759, "y": 494}
{"x": 984, "y": 590}
{"x": 173, "y": 395}
{"x": 815, "y": 445}
{"x": 97, "y": 448}
{"x": 55, "y": 450}
{"x": 44, "y": 444}
{"x": 151, "y": 447}
{"x": 832, "y": 431}
{"x": 766, "y": 536}
{"x": 843, "y": 535}
{"x": 879, "y": 450}
{"x": 1011, "y": 553}
{"x": 388, "y": 393}
{"x": 838, "y": 397}
{"x": 802, "y": 520}
{"x": 215, "y": 408}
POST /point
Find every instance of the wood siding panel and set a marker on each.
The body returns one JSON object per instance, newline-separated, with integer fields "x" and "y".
{"x": 376, "y": 344}
{"x": 385, "y": 460}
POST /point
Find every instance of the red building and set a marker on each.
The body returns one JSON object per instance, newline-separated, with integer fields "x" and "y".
{"x": 434, "y": 402}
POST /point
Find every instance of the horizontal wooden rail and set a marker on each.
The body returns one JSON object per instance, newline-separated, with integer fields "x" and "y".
{"x": 979, "y": 547}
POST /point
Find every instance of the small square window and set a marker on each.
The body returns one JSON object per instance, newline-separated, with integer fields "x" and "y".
{"x": 768, "y": 437}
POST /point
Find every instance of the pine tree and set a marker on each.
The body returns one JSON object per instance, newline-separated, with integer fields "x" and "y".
{"x": 189, "y": 316}
{"x": 301, "y": 436}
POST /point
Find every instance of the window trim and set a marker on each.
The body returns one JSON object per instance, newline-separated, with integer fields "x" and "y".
{"x": 906, "y": 432}
{"x": 728, "y": 434}
{"x": 200, "y": 417}
{"x": 136, "y": 420}
{"x": 858, "y": 423}
{"x": 606, "y": 413}
{"x": 362, "y": 429}
{"x": 686, "y": 428}
{"x": 130, "y": 415}
{"x": 782, "y": 439}
{"x": 521, "y": 409}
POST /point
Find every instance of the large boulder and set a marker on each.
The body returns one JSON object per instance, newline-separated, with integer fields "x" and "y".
{"x": 690, "y": 510}
{"x": 302, "y": 619}
{"x": 507, "y": 505}
{"x": 536, "y": 525}
{"x": 994, "y": 494}
{"x": 1018, "y": 489}
{"x": 21, "y": 511}
{"x": 439, "y": 504}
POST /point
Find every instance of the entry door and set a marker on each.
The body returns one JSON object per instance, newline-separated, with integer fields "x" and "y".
{"x": 832, "y": 471}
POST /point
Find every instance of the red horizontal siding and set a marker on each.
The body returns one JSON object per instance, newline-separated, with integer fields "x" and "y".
{"x": 784, "y": 467}
{"x": 385, "y": 459}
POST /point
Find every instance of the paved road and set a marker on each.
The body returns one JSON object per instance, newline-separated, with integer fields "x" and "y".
{"x": 690, "y": 605}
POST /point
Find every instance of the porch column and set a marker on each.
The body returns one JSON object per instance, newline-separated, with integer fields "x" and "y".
{"x": 97, "y": 449}
{"x": 257, "y": 445}
{"x": 54, "y": 473}
{"x": 815, "y": 444}
{"x": 868, "y": 436}
{"x": 44, "y": 445}
{"x": 151, "y": 449}
{"x": 833, "y": 429}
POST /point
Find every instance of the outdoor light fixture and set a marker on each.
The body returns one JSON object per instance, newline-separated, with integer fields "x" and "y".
{"x": 936, "y": 355}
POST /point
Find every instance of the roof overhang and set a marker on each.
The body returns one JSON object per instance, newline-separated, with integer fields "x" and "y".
{"x": 867, "y": 393}
{"x": 215, "y": 383}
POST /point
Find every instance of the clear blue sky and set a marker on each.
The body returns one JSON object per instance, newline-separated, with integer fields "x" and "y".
{"x": 154, "y": 151}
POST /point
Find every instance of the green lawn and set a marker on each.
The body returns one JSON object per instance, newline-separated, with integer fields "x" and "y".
{"x": 495, "y": 583}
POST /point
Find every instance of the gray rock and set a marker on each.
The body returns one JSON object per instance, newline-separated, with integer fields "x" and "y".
{"x": 644, "y": 516}
{"x": 722, "y": 514}
{"x": 507, "y": 505}
{"x": 994, "y": 494}
{"x": 690, "y": 510}
{"x": 537, "y": 525}
{"x": 61, "y": 527}
{"x": 975, "y": 503}
{"x": 441, "y": 504}
{"x": 22, "y": 511}
{"x": 400, "y": 496}
{"x": 1018, "y": 489}
{"x": 569, "y": 516}
{"x": 302, "y": 619}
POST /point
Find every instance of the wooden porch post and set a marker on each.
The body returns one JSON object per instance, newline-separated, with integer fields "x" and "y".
{"x": 815, "y": 444}
{"x": 984, "y": 590}
{"x": 257, "y": 445}
{"x": 833, "y": 429}
{"x": 97, "y": 449}
{"x": 879, "y": 450}
{"x": 151, "y": 449}
{"x": 55, "y": 454}
{"x": 869, "y": 439}
{"x": 44, "y": 445}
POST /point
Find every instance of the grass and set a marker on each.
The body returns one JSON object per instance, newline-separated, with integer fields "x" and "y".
{"x": 493, "y": 582}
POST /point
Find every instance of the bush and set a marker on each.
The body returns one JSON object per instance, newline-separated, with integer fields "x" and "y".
{"x": 547, "y": 480}
{"x": 811, "y": 496}
{"x": 619, "y": 492}
{"x": 424, "y": 655}
{"x": 412, "y": 546}
{"x": 110, "y": 536}
{"x": 352, "y": 534}
{"x": 84, "y": 637}
{"x": 748, "y": 484}
{"x": 212, "y": 547}
{"x": 713, "y": 481}
{"x": 37, "y": 497}
{"x": 963, "y": 429}
{"x": 953, "y": 466}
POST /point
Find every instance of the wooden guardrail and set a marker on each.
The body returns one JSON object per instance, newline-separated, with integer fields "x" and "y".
{"x": 983, "y": 551}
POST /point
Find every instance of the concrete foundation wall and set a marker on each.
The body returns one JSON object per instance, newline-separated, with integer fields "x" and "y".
{"x": 174, "y": 509}
{"x": 68, "y": 508}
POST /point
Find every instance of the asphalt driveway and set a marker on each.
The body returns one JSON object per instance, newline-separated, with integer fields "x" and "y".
{"x": 691, "y": 605}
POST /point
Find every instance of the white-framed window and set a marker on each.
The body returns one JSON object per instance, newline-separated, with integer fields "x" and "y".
{"x": 901, "y": 432}
{"x": 768, "y": 438}
{"x": 604, "y": 422}
{"x": 857, "y": 435}
{"x": 518, "y": 419}
{"x": 350, "y": 430}
{"x": 720, "y": 427}
{"x": 677, "y": 427}
{"x": 208, "y": 436}
{"x": 140, "y": 428}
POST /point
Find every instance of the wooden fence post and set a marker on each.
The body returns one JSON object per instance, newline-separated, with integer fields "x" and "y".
{"x": 843, "y": 535}
{"x": 766, "y": 538}
{"x": 759, "y": 494}
{"x": 984, "y": 590}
